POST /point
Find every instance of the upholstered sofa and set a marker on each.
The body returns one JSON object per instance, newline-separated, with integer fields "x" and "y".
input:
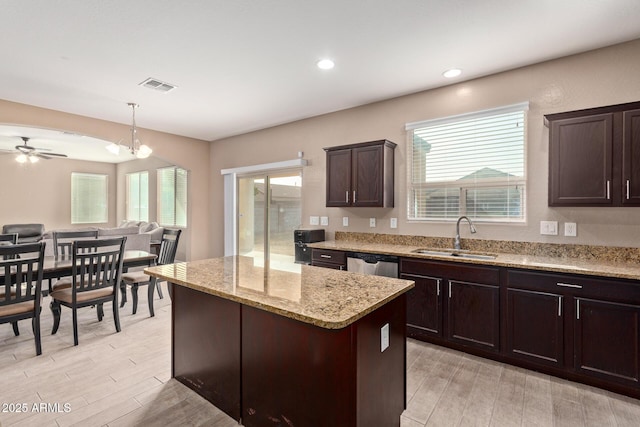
{"x": 139, "y": 235}
{"x": 27, "y": 233}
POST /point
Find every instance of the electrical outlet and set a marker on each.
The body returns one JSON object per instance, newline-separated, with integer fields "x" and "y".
{"x": 345, "y": 221}
{"x": 549, "y": 228}
{"x": 393, "y": 223}
{"x": 570, "y": 229}
{"x": 314, "y": 220}
{"x": 384, "y": 337}
{"x": 372, "y": 222}
{"x": 324, "y": 220}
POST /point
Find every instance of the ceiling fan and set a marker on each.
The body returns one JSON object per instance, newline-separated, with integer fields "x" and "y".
{"x": 27, "y": 152}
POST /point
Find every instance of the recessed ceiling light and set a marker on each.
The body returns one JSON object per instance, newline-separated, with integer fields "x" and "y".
{"x": 454, "y": 72}
{"x": 325, "y": 64}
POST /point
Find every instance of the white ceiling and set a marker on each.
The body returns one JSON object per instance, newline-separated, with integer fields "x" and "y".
{"x": 244, "y": 65}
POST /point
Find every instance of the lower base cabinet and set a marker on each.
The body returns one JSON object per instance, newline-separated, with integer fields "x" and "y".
{"x": 535, "y": 327}
{"x": 454, "y": 303}
{"x": 582, "y": 328}
{"x": 473, "y": 315}
{"x": 606, "y": 340}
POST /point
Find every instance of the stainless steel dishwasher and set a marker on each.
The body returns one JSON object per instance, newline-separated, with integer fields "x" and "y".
{"x": 373, "y": 264}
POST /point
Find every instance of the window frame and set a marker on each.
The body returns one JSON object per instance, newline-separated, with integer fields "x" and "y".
{"x": 176, "y": 208}
{"x": 94, "y": 201}
{"x": 140, "y": 189}
{"x": 463, "y": 187}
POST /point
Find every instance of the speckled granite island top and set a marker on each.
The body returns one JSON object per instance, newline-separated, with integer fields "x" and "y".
{"x": 591, "y": 267}
{"x": 323, "y": 297}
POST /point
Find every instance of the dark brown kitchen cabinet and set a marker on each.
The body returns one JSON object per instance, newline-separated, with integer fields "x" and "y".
{"x": 360, "y": 175}
{"x": 329, "y": 258}
{"x": 606, "y": 340}
{"x": 453, "y": 303}
{"x": 473, "y": 315}
{"x": 535, "y": 326}
{"x": 424, "y": 306}
{"x": 587, "y": 328}
{"x": 594, "y": 156}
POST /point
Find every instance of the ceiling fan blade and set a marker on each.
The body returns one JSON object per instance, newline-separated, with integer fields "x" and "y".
{"x": 25, "y": 149}
{"x": 55, "y": 154}
{"x": 42, "y": 156}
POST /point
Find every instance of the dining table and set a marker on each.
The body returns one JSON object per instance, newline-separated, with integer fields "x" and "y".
{"x": 62, "y": 266}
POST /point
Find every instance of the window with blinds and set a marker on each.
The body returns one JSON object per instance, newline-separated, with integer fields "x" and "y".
{"x": 172, "y": 197}
{"x": 472, "y": 165}
{"x": 89, "y": 198}
{"x": 138, "y": 196}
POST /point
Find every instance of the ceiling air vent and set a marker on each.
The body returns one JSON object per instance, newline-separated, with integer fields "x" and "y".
{"x": 158, "y": 85}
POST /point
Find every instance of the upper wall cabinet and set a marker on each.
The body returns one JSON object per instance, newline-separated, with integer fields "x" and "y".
{"x": 594, "y": 156}
{"x": 360, "y": 174}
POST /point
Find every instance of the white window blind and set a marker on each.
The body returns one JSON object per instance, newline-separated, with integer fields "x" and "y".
{"x": 172, "y": 197}
{"x": 89, "y": 198}
{"x": 470, "y": 165}
{"x": 138, "y": 196}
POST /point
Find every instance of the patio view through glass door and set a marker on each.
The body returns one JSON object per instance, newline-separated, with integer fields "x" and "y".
{"x": 269, "y": 209}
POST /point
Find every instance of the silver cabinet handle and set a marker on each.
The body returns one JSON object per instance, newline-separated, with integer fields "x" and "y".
{"x": 568, "y": 285}
{"x": 449, "y": 289}
{"x": 438, "y": 287}
{"x": 354, "y": 196}
{"x": 325, "y": 256}
{"x": 577, "y": 309}
{"x": 627, "y": 189}
{"x": 559, "y": 305}
{"x": 346, "y": 194}
{"x": 608, "y": 190}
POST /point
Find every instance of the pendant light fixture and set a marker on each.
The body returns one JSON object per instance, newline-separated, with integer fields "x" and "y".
{"x": 136, "y": 148}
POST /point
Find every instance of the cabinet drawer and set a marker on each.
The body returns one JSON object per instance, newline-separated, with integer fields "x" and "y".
{"x": 328, "y": 256}
{"x": 451, "y": 270}
{"x": 619, "y": 290}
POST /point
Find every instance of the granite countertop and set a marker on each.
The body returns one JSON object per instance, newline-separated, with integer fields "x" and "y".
{"x": 590, "y": 267}
{"x": 323, "y": 297}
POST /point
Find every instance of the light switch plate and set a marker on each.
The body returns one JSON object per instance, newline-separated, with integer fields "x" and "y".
{"x": 549, "y": 228}
{"x": 384, "y": 337}
{"x": 345, "y": 221}
{"x": 393, "y": 223}
{"x": 372, "y": 222}
{"x": 324, "y": 220}
{"x": 314, "y": 220}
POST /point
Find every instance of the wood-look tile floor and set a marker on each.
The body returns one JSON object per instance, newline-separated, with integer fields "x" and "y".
{"x": 124, "y": 379}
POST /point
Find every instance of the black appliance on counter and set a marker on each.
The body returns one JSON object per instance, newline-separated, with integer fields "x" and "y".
{"x": 300, "y": 240}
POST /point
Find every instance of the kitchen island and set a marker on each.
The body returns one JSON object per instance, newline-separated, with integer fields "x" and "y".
{"x": 295, "y": 348}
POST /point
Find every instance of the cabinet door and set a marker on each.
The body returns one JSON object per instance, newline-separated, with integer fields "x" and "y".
{"x": 473, "y": 315}
{"x": 339, "y": 178}
{"x": 580, "y": 161}
{"x": 606, "y": 340}
{"x": 535, "y": 326}
{"x": 631, "y": 158}
{"x": 424, "y": 306}
{"x": 368, "y": 174}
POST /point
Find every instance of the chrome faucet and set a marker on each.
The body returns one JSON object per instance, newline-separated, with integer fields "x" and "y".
{"x": 456, "y": 244}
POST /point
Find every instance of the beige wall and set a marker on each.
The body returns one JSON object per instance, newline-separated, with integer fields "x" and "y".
{"x": 41, "y": 192}
{"x": 41, "y": 200}
{"x": 597, "y": 78}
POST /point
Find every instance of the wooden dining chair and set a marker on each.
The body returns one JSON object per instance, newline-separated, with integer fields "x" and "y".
{"x": 95, "y": 277}
{"x": 135, "y": 279}
{"x": 63, "y": 241}
{"x": 21, "y": 268}
{"x": 8, "y": 239}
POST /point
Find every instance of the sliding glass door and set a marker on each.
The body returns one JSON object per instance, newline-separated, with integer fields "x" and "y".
{"x": 269, "y": 209}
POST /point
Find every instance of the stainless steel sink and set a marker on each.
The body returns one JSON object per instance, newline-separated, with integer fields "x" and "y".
{"x": 473, "y": 256}
{"x": 454, "y": 254}
{"x": 432, "y": 252}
